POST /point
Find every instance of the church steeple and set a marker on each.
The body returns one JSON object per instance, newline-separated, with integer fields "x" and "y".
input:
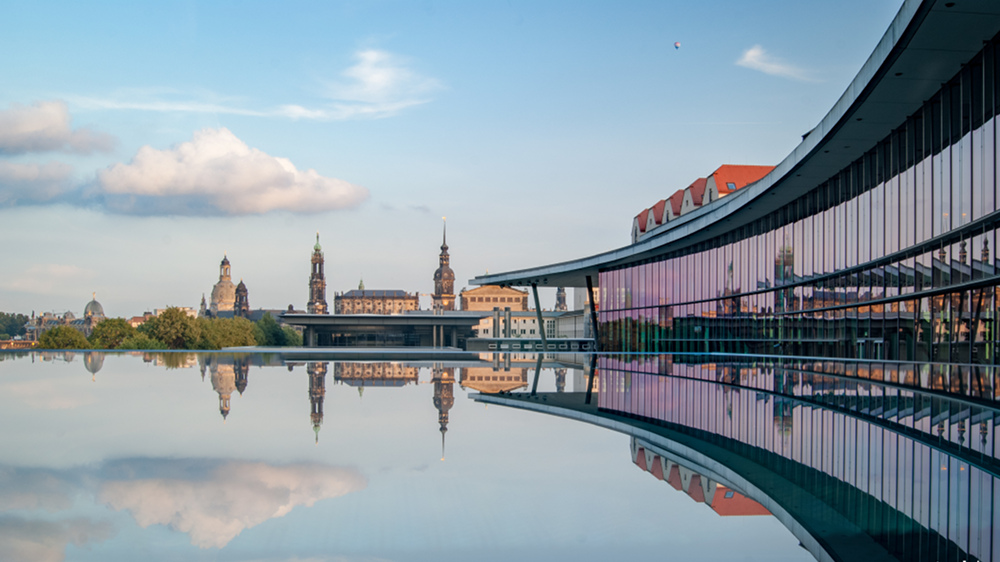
{"x": 444, "y": 278}
{"x": 317, "y": 282}
{"x": 444, "y": 397}
{"x": 317, "y": 392}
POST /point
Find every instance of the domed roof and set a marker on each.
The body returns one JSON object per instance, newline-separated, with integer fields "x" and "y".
{"x": 317, "y": 247}
{"x": 93, "y": 308}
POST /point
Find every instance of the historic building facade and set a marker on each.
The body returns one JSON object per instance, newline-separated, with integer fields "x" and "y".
{"x": 317, "y": 282}
{"x": 444, "y": 279}
{"x": 491, "y": 296}
{"x": 368, "y": 301}
{"x": 93, "y": 314}
{"x": 875, "y": 238}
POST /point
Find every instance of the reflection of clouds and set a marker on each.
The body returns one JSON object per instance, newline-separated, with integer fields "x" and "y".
{"x": 213, "y": 502}
{"x": 22, "y": 488}
{"x": 46, "y": 541}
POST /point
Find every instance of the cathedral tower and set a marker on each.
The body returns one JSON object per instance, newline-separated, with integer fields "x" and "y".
{"x": 241, "y": 306}
{"x": 444, "y": 396}
{"x": 444, "y": 278}
{"x": 317, "y": 282}
{"x": 561, "y": 300}
{"x": 317, "y": 391}
{"x": 224, "y": 292}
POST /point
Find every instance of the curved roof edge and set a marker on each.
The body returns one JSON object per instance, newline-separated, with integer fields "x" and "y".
{"x": 926, "y": 44}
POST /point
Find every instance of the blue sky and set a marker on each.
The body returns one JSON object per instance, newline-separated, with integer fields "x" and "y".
{"x": 141, "y": 142}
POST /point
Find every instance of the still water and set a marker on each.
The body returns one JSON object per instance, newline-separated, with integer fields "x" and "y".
{"x": 257, "y": 457}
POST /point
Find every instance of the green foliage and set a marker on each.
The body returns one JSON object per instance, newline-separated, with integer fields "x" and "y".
{"x": 141, "y": 342}
{"x": 63, "y": 337}
{"x": 268, "y": 333}
{"x": 4, "y": 336}
{"x": 173, "y": 360}
{"x": 110, "y": 333}
{"x": 217, "y": 333}
{"x": 292, "y": 337}
{"x": 174, "y": 328}
{"x": 12, "y": 324}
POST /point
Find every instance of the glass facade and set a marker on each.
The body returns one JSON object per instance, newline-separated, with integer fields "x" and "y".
{"x": 907, "y": 453}
{"x": 893, "y": 257}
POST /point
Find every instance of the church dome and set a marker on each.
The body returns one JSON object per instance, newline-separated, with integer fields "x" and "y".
{"x": 93, "y": 308}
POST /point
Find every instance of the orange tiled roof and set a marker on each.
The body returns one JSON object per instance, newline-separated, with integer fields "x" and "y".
{"x": 658, "y": 211}
{"x": 739, "y": 176}
{"x": 697, "y": 189}
{"x": 676, "y": 200}
{"x": 642, "y": 217}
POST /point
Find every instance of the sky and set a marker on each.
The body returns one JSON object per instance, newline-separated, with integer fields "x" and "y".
{"x": 142, "y": 142}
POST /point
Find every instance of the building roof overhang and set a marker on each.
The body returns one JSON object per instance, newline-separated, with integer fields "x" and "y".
{"x": 926, "y": 44}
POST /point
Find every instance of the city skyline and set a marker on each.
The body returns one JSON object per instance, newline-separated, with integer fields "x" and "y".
{"x": 135, "y": 142}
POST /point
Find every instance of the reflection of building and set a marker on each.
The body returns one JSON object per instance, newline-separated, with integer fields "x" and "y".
{"x": 317, "y": 392}
{"x": 560, "y": 380}
{"x": 722, "y": 499}
{"x": 491, "y": 296}
{"x": 317, "y": 282}
{"x": 228, "y": 374}
{"x": 374, "y": 374}
{"x": 491, "y": 381}
{"x": 93, "y": 361}
{"x": 224, "y": 383}
{"x": 223, "y": 292}
{"x": 444, "y": 397}
{"x": 444, "y": 279}
{"x": 368, "y": 301}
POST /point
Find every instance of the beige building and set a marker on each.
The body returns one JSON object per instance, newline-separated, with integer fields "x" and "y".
{"x": 223, "y": 292}
{"x": 490, "y": 296}
{"x": 364, "y": 301}
{"x": 491, "y": 381}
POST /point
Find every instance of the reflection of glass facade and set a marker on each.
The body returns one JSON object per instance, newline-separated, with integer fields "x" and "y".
{"x": 892, "y": 257}
{"x": 915, "y": 470}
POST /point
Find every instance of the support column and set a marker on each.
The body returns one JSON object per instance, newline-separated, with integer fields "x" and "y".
{"x": 538, "y": 313}
{"x": 310, "y": 337}
{"x": 593, "y": 310}
{"x": 496, "y": 321}
{"x": 454, "y": 337}
{"x": 506, "y": 322}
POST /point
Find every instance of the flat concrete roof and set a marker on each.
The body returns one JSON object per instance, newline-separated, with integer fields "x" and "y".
{"x": 452, "y": 319}
{"x": 926, "y": 44}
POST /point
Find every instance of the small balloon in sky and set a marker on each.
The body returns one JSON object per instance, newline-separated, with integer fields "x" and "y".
{"x": 677, "y": 45}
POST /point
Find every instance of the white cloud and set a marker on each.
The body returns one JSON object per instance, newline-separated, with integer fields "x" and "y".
{"x": 33, "y": 183}
{"x": 379, "y": 84}
{"x": 235, "y": 496}
{"x": 756, "y": 58}
{"x": 45, "y": 126}
{"x": 28, "y": 489}
{"x": 216, "y": 173}
{"x": 46, "y": 541}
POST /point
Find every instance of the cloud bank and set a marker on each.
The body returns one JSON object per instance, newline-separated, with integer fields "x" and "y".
{"x": 44, "y": 127}
{"x": 216, "y": 173}
{"x": 215, "y": 507}
{"x": 33, "y": 183}
{"x": 756, "y": 58}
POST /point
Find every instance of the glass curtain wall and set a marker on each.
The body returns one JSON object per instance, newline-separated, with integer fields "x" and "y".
{"x": 894, "y": 257}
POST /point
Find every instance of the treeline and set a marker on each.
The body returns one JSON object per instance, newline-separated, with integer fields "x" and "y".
{"x": 12, "y": 324}
{"x": 174, "y": 329}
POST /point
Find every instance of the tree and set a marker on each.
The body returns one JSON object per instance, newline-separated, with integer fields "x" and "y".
{"x": 63, "y": 337}
{"x": 174, "y": 328}
{"x": 292, "y": 337}
{"x": 12, "y": 323}
{"x": 110, "y": 333}
{"x": 268, "y": 333}
{"x": 141, "y": 342}
{"x": 217, "y": 333}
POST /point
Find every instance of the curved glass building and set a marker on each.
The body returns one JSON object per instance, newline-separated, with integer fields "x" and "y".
{"x": 874, "y": 239}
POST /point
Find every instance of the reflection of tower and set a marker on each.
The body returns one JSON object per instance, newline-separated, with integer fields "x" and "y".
{"x": 444, "y": 397}
{"x": 242, "y": 304}
{"x": 317, "y": 391}
{"x": 561, "y": 300}
{"x": 241, "y": 368}
{"x": 93, "y": 362}
{"x": 317, "y": 282}
{"x": 560, "y": 380}
{"x": 223, "y": 382}
{"x": 444, "y": 278}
